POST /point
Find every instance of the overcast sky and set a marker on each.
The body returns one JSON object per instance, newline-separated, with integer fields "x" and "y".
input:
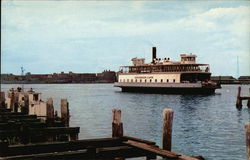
{"x": 91, "y": 36}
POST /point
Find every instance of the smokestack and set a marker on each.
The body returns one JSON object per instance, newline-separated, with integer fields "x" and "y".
{"x": 153, "y": 54}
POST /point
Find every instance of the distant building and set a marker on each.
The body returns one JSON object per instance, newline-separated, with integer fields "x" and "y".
{"x": 106, "y": 76}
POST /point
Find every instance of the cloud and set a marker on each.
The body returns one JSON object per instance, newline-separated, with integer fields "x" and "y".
{"x": 93, "y": 20}
{"x": 59, "y": 28}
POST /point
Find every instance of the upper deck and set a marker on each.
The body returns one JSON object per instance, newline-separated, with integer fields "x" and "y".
{"x": 186, "y": 64}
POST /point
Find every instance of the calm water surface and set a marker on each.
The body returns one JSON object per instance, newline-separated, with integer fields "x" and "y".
{"x": 210, "y": 126}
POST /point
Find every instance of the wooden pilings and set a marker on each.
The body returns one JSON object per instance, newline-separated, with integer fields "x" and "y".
{"x": 118, "y": 147}
{"x": 12, "y": 99}
{"x": 241, "y": 98}
{"x": 239, "y": 101}
{"x": 2, "y": 99}
{"x": 50, "y": 108}
{"x": 117, "y": 126}
{"x": 247, "y": 130}
{"x": 65, "y": 111}
{"x": 248, "y": 102}
{"x": 167, "y": 115}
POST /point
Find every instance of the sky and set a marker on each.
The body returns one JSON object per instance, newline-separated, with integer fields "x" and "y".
{"x": 92, "y": 36}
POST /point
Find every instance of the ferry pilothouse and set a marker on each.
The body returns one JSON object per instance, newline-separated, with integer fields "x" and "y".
{"x": 165, "y": 76}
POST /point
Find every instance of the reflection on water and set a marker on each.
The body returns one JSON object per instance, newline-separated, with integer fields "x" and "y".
{"x": 210, "y": 126}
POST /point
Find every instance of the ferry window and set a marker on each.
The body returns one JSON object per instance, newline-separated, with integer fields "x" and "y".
{"x": 145, "y": 80}
{"x": 161, "y": 80}
{"x": 167, "y": 80}
{"x": 135, "y": 80}
{"x": 173, "y": 80}
{"x": 150, "y": 80}
{"x": 127, "y": 80}
{"x": 140, "y": 80}
{"x": 131, "y": 80}
{"x": 123, "y": 80}
{"x": 155, "y": 80}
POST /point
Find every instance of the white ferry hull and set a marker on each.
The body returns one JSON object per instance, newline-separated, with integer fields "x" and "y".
{"x": 168, "y": 88}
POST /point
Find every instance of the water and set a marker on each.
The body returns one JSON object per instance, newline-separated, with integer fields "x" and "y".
{"x": 210, "y": 126}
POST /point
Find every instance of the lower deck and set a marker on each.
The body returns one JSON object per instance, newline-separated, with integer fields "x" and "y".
{"x": 168, "y": 88}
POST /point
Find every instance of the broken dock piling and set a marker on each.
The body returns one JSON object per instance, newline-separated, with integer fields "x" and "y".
{"x": 117, "y": 126}
{"x": 241, "y": 98}
{"x": 167, "y": 115}
{"x": 247, "y": 130}
{"x": 31, "y": 120}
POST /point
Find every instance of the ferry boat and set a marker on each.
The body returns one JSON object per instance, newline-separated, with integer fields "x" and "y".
{"x": 165, "y": 76}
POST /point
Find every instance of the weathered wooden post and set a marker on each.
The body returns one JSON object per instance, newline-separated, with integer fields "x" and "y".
{"x": 239, "y": 101}
{"x": 117, "y": 126}
{"x": 168, "y": 115}
{"x": 2, "y": 99}
{"x": 50, "y": 108}
{"x": 12, "y": 99}
{"x": 247, "y": 129}
{"x": 248, "y": 101}
{"x": 49, "y": 116}
{"x": 65, "y": 111}
{"x": 23, "y": 102}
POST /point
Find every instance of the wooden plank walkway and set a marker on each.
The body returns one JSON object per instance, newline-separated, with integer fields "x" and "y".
{"x": 160, "y": 152}
{"x": 102, "y": 148}
{"x": 153, "y": 149}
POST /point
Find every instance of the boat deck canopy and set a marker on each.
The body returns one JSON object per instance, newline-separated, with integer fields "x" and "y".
{"x": 165, "y": 68}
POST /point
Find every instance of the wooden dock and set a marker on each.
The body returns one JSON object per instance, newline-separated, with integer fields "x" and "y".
{"x": 117, "y": 147}
{"x": 19, "y": 128}
{"x": 24, "y": 136}
{"x": 103, "y": 148}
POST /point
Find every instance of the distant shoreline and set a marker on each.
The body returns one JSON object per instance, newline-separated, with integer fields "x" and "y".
{"x": 106, "y": 76}
{"x": 57, "y": 83}
{"x": 231, "y": 83}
